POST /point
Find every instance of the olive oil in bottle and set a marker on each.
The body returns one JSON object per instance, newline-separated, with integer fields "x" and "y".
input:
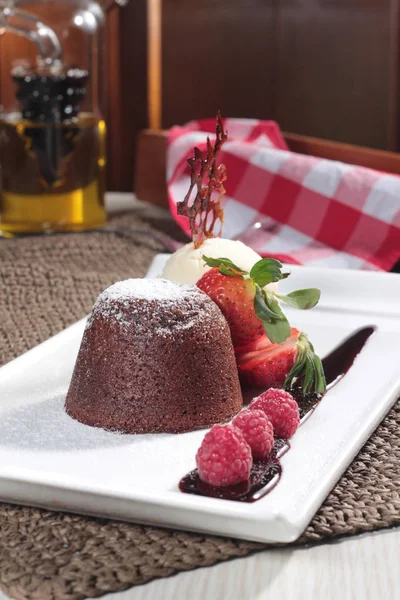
{"x": 52, "y": 175}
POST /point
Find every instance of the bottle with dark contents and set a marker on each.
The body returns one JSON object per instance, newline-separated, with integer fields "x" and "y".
{"x": 52, "y": 132}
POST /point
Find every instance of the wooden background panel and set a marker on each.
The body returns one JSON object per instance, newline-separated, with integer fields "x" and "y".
{"x": 349, "y": 4}
{"x": 316, "y": 68}
{"x": 336, "y": 79}
{"x": 218, "y": 54}
{"x": 126, "y": 89}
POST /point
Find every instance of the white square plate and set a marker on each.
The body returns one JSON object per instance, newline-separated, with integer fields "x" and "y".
{"x": 49, "y": 460}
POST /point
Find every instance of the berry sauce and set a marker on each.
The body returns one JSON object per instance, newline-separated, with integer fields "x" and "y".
{"x": 265, "y": 474}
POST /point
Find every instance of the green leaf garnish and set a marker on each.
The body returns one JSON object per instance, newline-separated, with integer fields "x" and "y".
{"x": 275, "y": 324}
{"x": 225, "y": 266}
{"x": 263, "y": 311}
{"x": 302, "y": 299}
{"x": 308, "y": 367}
{"x": 266, "y": 270}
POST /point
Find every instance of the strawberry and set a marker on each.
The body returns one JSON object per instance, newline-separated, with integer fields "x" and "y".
{"x": 243, "y": 298}
{"x": 265, "y": 365}
{"x": 268, "y": 352}
{"x": 262, "y": 343}
{"x": 235, "y": 298}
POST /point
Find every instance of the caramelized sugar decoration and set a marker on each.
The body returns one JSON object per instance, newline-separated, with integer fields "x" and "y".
{"x": 205, "y": 210}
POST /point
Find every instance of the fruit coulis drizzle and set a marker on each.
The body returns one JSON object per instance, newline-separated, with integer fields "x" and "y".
{"x": 265, "y": 474}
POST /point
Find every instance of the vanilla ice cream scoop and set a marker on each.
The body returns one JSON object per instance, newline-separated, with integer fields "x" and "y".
{"x": 186, "y": 265}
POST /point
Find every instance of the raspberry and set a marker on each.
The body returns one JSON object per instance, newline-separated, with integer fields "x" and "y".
{"x": 281, "y": 409}
{"x": 257, "y": 431}
{"x": 224, "y": 457}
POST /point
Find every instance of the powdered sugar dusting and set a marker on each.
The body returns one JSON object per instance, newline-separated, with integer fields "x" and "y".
{"x": 161, "y": 290}
{"x": 153, "y": 305}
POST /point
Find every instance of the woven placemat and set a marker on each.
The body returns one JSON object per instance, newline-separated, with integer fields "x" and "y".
{"x": 47, "y": 283}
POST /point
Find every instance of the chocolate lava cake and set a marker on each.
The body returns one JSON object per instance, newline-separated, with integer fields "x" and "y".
{"x": 155, "y": 356}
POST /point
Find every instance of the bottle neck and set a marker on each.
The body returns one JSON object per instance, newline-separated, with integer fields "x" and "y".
{"x": 28, "y": 26}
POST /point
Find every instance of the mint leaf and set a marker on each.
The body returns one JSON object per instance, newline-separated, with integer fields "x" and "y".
{"x": 266, "y": 271}
{"x": 225, "y": 266}
{"x": 279, "y": 329}
{"x": 302, "y": 299}
{"x": 262, "y": 309}
{"x": 275, "y": 324}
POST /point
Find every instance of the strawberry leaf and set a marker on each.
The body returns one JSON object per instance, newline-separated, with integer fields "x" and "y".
{"x": 309, "y": 375}
{"x": 275, "y": 324}
{"x": 308, "y": 367}
{"x": 225, "y": 266}
{"x": 266, "y": 270}
{"x": 320, "y": 381}
{"x": 302, "y": 299}
{"x": 229, "y": 271}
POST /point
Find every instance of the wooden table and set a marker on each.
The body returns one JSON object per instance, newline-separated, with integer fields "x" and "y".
{"x": 362, "y": 567}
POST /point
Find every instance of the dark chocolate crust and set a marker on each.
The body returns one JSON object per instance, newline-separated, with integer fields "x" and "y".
{"x": 147, "y": 366}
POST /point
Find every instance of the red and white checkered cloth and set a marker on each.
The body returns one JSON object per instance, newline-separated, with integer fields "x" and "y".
{"x": 313, "y": 211}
